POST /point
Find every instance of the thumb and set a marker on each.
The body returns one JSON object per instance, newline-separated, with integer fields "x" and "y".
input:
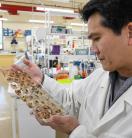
{"x": 27, "y": 62}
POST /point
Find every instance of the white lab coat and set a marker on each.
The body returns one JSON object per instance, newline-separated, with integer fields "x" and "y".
{"x": 86, "y": 99}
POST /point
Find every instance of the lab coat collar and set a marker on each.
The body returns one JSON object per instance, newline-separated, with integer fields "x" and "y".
{"x": 117, "y": 109}
{"x": 102, "y": 93}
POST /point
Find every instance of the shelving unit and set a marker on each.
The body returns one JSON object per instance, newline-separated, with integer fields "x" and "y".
{"x": 21, "y": 46}
{"x": 74, "y": 45}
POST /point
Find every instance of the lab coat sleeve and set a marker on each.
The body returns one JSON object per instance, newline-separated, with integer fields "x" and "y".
{"x": 80, "y": 132}
{"x": 69, "y": 97}
{"x": 72, "y": 98}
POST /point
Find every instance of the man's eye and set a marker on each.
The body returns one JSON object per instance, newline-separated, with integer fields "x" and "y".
{"x": 96, "y": 38}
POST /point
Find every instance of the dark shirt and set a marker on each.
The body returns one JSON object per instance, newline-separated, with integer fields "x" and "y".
{"x": 119, "y": 85}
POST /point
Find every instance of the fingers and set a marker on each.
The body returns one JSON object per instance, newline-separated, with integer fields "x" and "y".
{"x": 54, "y": 126}
{"x": 57, "y": 119}
{"x": 15, "y": 68}
{"x": 18, "y": 68}
{"x": 27, "y": 62}
{"x": 52, "y": 121}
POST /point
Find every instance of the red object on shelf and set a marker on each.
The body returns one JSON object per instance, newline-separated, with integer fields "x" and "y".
{"x": 84, "y": 74}
{"x": 66, "y": 17}
{"x": 73, "y": 44}
{"x": 62, "y": 76}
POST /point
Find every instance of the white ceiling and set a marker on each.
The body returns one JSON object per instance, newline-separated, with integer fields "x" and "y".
{"x": 25, "y": 16}
{"x": 57, "y": 3}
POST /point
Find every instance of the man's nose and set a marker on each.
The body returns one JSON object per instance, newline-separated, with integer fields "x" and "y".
{"x": 95, "y": 49}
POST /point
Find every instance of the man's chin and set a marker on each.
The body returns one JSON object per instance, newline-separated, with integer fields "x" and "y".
{"x": 107, "y": 68}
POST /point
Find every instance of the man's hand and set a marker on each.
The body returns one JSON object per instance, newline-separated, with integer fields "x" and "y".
{"x": 31, "y": 69}
{"x": 65, "y": 124}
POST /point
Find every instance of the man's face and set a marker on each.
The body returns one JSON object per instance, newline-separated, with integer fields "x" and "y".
{"x": 110, "y": 48}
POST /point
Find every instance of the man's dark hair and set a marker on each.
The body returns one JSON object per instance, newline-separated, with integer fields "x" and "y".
{"x": 116, "y": 13}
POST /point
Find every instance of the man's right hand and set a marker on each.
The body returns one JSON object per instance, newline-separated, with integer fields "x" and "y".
{"x": 31, "y": 69}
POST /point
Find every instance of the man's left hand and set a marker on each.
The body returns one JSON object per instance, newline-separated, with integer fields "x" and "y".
{"x": 65, "y": 124}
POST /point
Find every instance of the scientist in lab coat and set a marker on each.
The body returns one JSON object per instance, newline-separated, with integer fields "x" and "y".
{"x": 99, "y": 106}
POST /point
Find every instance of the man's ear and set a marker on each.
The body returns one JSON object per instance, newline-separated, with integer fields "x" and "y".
{"x": 130, "y": 34}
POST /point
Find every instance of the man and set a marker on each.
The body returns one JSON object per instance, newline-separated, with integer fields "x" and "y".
{"x": 99, "y": 106}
